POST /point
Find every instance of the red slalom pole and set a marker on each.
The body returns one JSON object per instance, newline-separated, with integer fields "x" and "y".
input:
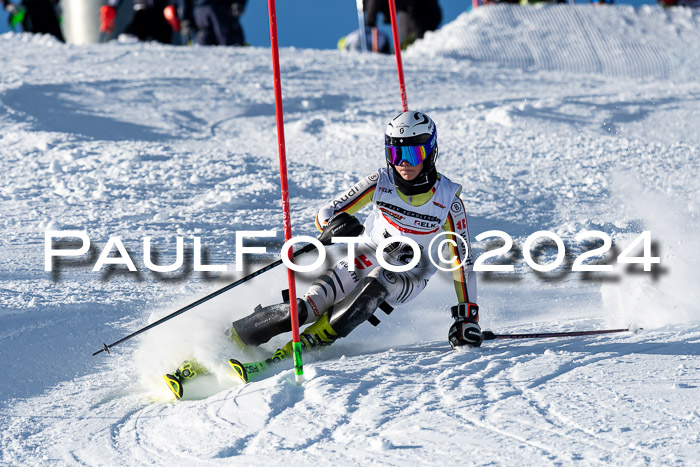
{"x": 397, "y": 52}
{"x": 286, "y": 216}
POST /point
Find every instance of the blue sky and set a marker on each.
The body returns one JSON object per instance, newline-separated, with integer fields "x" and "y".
{"x": 317, "y": 23}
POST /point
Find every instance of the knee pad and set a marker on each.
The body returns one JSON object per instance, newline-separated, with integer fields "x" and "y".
{"x": 402, "y": 287}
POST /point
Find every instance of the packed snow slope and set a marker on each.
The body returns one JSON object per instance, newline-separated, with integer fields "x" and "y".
{"x": 563, "y": 119}
{"x": 632, "y": 42}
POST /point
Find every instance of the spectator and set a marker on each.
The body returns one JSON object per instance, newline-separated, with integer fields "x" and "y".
{"x": 149, "y": 21}
{"x": 216, "y": 21}
{"x": 36, "y": 16}
{"x": 415, "y": 17}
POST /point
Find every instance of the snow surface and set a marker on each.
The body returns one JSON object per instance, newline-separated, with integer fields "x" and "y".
{"x": 560, "y": 118}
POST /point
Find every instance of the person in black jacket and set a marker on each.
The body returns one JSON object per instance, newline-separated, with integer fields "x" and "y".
{"x": 40, "y": 16}
{"x": 216, "y": 21}
{"x": 415, "y": 17}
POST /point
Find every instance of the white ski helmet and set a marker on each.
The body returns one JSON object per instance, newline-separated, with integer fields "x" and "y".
{"x": 412, "y": 137}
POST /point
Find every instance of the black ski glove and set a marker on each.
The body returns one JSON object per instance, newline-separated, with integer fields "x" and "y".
{"x": 465, "y": 330}
{"x": 341, "y": 225}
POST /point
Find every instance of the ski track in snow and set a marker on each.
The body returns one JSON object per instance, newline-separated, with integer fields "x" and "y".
{"x": 558, "y": 118}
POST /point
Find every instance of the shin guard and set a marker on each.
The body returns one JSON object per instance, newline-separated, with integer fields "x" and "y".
{"x": 265, "y": 323}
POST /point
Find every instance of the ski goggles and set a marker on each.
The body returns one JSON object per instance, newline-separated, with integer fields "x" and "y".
{"x": 414, "y": 154}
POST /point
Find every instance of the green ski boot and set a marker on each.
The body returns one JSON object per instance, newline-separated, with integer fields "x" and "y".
{"x": 317, "y": 335}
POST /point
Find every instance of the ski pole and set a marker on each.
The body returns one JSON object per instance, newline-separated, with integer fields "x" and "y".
{"x": 489, "y": 335}
{"x": 397, "y": 52}
{"x": 216, "y": 293}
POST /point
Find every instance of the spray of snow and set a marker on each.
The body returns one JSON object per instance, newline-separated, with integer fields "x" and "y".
{"x": 671, "y": 295}
{"x": 202, "y": 335}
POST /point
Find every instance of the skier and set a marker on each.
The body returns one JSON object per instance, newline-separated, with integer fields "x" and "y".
{"x": 410, "y": 199}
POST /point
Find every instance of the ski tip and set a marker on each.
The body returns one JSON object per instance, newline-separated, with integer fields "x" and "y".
{"x": 239, "y": 368}
{"x": 174, "y": 384}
